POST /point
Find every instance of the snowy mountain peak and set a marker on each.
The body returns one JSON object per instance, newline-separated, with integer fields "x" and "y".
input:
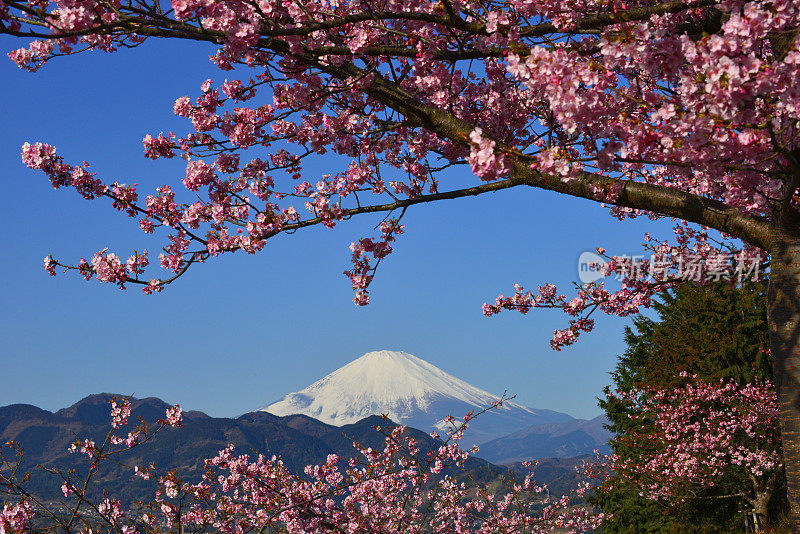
{"x": 406, "y": 388}
{"x": 388, "y": 376}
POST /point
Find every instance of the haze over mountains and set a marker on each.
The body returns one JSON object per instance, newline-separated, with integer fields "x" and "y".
{"x": 412, "y": 392}
{"x": 571, "y": 439}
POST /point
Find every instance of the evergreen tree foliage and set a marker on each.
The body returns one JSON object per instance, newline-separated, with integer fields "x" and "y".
{"x": 715, "y": 331}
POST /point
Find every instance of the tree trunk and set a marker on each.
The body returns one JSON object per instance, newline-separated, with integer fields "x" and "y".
{"x": 760, "y": 512}
{"x": 783, "y": 300}
{"x": 762, "y": 492}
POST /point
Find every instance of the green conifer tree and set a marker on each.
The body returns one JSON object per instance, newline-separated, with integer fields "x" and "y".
{"x": 715, "y": 331}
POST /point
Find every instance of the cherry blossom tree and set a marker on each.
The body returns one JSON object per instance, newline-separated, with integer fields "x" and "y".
{"x": 399, "y": 489}
{"x": 679, "y": 108}
{"x": 696, "y": 436}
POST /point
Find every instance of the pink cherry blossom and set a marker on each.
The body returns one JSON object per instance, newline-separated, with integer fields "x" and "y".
{"x": 120, "y": 412}
{"x": 16, "y": 517}
{"x": 175, "y": 415}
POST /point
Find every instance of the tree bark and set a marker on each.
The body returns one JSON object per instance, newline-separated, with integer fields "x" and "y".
{"x": 783, "y": 301}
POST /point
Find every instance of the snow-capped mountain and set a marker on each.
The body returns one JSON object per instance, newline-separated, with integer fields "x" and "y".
{"x": 410, "y": 391}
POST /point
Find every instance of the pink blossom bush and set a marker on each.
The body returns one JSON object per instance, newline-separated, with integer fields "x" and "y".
{"x": 696, "y": 436}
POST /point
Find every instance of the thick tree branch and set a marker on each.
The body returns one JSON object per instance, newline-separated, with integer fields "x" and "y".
{"x": 636, "y": 195}
{"x": 602, "y": 20}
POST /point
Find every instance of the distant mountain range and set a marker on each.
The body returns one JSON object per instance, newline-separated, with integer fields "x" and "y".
{"x": 574, "y": 438}
{"x": 412, "y": 392}
{"x": 298, "y": 439}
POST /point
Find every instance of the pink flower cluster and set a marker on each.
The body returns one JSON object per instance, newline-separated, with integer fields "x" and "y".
{"x": 50, "y": 265}
{"x": 67, "y": 489}
{"x": 109, "y": 269}
{"x": 127, "y": 442}
{"x": 87, "y": 447}
{"x": 159, "y": 147}
{"x": 43, "y": 157}
{"x": 111, "y": 510}
{"x": 125, "y": 197}
{"x": 363, "y": 271}
{"x": 33, "y": 57}
{"x": 483, "y": 159}
{"x": 175, "y": 415}
{"x": 16, "y": 517}
{"x": 120, "y": 412}
{"x": 695, "y": 256}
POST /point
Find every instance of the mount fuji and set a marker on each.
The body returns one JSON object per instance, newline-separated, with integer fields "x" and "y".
{"x": 410, "y": 391}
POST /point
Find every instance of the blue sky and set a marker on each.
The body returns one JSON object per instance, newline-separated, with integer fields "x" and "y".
{"x": 236, "y": 334}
